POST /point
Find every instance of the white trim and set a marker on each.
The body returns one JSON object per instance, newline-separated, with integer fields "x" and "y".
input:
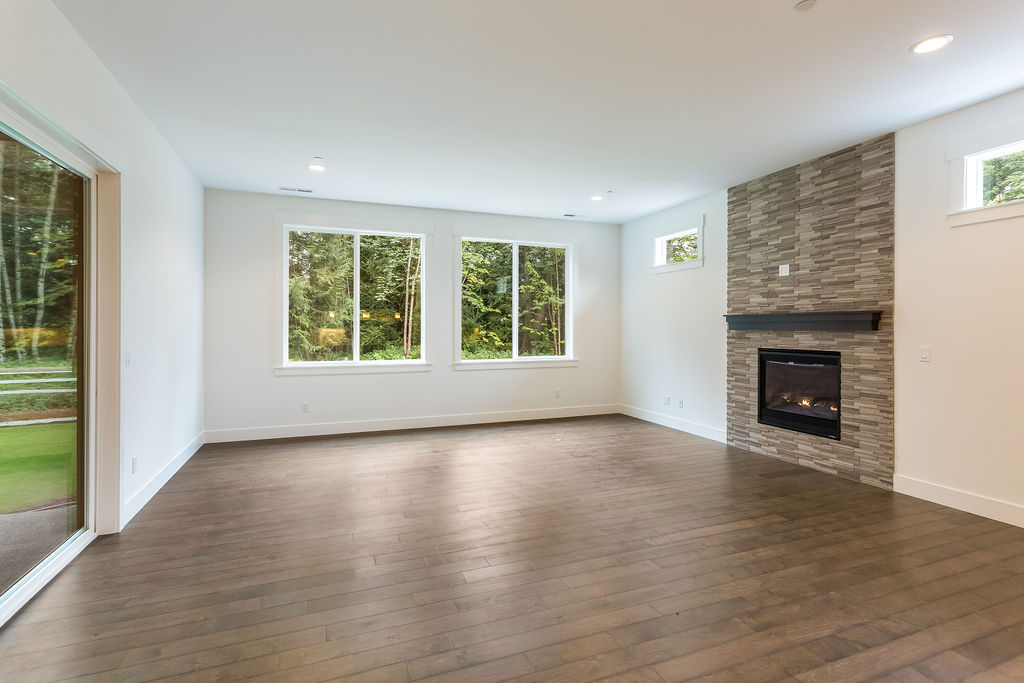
{"x": 993, "y": 508}
{"x": 36, "y": 580}
{"x": 135, "y": 502}
{"x": 521, "y": 363}
{"x": 357, "y": 311}
{"x": 515, "y": 304}
{"x": 44, "y": 135}
{"x": 371, "y": 367}
{"x": 377, "y": 425}
{"x": 673, "y": 267}
{"x": 695, "y": 428}
{"x": 986, "y": 214}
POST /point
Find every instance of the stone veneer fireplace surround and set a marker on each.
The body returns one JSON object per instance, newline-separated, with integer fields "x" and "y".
{"x": 831, "y": 220}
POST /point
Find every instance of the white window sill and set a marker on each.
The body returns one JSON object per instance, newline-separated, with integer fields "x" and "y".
{"x": 516, "y": 364}
{"x": 351, "y": 368}
{"x": 985, "y": 214}
{"x": 673, "y": 267}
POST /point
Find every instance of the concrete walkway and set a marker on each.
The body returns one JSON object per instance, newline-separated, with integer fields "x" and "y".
{"x": 28, "y": 537}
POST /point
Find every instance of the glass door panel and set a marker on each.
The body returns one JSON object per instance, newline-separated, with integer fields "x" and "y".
{"x": 42, "y": 478}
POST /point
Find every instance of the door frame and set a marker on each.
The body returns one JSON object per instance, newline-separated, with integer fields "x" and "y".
{"x": 101, "y": 337}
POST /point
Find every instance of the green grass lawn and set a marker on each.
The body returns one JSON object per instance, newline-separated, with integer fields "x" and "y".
{"x": 37, "y": 465}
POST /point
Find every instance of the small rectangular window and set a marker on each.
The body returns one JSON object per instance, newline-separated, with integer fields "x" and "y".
{"x": 682, "y": 248}
{"x": 995, "y": 176}
{"x": 514, "y": 300}
{"x": 340, "y": 312}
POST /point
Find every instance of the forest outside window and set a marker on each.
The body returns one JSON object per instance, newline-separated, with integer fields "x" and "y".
{"x": 354, "y": 296}
{"x": 514, "y": 301}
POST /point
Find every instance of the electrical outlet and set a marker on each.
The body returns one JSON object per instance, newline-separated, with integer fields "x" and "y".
{"x": 304, "y": 407}
{"x": 135, "y": 464}
{"x": 926, "y": 354}
{"x": 784, "y": 270}
{"x": 680, "y": 403}
{"x": 558, "y": 394}
{"x": 667, "y": 400}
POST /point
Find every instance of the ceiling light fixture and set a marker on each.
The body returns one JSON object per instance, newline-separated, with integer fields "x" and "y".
{"x": 804, "y": 5}
{"x": 317, "y": 164}
{"x": 596, "y": 197}
{"x": 931, "y": 44}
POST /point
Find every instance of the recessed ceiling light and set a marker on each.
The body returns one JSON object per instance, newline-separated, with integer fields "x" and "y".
{"x": 317, "y": 164}
{"x": 931, "y": 44}
{"x": 804, "y": 5}
{"x": 596, "y": 197}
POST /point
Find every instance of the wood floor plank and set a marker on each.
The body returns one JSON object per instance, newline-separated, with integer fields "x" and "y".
{"x": 600, "y": 548}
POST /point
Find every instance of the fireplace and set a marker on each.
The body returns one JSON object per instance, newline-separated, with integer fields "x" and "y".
{"x": 799, "y": 390}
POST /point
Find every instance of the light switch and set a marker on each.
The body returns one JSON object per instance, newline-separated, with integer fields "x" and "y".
{"x": 926, "y": 354}
{"x": 784, "y": 270}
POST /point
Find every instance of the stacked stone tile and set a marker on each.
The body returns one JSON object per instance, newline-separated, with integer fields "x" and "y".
{"x": 831, "y": 220}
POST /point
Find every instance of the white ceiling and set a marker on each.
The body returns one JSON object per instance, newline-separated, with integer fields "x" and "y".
{"x": 531, "y": 106}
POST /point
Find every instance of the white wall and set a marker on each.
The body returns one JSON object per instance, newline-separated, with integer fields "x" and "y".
{"x": 673, "y": 329}
{"x": 244, "y": 322}
{"x": 47, "y": 64}
{"x": 959, "y": 291}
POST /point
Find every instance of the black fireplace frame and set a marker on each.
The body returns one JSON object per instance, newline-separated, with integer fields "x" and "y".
{"x": 806, "y": 424}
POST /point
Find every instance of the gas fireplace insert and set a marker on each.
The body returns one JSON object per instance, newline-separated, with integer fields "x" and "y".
{"x": 799, "y": 390}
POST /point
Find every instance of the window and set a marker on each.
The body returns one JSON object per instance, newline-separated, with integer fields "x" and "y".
{"x": 514, "y": 300}
{"x": 354, "y": 296}
{"x": 680, "y": 249}
{"x": 994, "y": 177}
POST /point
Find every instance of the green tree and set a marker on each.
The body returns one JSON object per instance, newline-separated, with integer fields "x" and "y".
{"x": 1003, "y": 179}
{"x": 41, "y": 206}
{"x": 389, "y": 297}
{"x": 486, "y": 300}
{"x": 541, "y": 301}
{"x": 681, "y": 249}
{"x": 320, "y": 296}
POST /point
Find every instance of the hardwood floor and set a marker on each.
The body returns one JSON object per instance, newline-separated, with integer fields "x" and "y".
{"x": 568, "y": 550}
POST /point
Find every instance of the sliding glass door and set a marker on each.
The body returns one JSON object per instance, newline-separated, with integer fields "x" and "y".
{"x": 42, "y": 472}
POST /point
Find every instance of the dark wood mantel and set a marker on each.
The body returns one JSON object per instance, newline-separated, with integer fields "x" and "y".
{"x": 834, "y": 321}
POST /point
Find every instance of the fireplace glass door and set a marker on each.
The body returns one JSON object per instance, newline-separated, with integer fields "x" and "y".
{"x": 799, "y": 390}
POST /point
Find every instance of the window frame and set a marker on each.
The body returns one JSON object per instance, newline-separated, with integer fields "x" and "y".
{"x": 517, "y": 361}
{"x": 286, "y": 366}
{"x": 102, "y": 379}
{"x": 965, "y": 156}
{"x": 691, "y": 224}
{"x": 974, "y": 174}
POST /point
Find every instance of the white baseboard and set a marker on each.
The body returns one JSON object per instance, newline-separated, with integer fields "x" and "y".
{"x": 131, "y": 506}
{"x": 993, "y": 508}
{"x": 35, "y": 580}
{"x": 349, "y": 427}
{"x": 713, "y": 433}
